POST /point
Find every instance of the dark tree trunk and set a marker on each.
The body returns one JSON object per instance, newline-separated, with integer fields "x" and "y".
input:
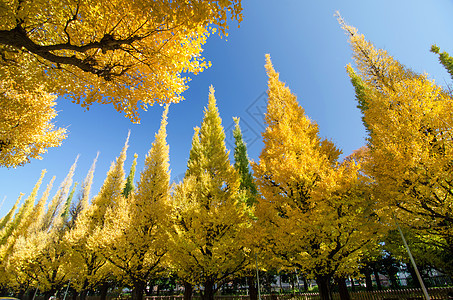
{"x": 305, "y": 285}
{"x": 253, "y": 290}
{"x": 138, "y": 290}
{"x": 30, "y": 294}
{"x": 343, "y": 289}
{"x": 378, "y": 280}
{"x": 324, "y": 287}
{"x": 208, "y": 293}
{"x": 368, "y": 281}
{"x": 415, "y": 281}
{"x": 352, "y": 284}
{"x": 187, "y": 291}
{"x": 103, "y": 289}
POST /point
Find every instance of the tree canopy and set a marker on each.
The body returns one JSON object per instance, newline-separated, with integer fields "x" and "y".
{"x": 127, "y": 53}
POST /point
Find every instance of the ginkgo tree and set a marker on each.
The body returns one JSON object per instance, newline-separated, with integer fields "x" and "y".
{"x": 90, "y": 268}
{"x": 313, "y": 213}
{"x": 127, "y": 53}
{"x": 207, "y": 243}
{"x": 135, "y": 234}
{"x": 410, "y": 123}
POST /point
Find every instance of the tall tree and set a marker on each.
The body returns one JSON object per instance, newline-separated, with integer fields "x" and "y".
{"x": 118, "y": 52}
{"x": 26, "y": 128}
{"x": 210, "y": 216}
{"x": 410, "y": 121}
{"x": 308, "y": 212}
{"x": 138, "y": 232}
{"x": 242, "y": 166}
{"x": 85, "y": 239}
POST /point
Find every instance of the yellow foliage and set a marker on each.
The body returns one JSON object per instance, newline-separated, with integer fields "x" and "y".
{"x": 314, "y": 214}
{"x": 208, "y": 242}
{"x": 127, "y": 53}
{"x": 410, "y": 123}
{"x": 26, "y": 128}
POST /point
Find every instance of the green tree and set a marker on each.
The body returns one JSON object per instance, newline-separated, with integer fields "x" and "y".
{"x": 444, "y": 58}
{"x": 130, "y": 187}
{"x": 250, "y": 192}
{"x": 242, "y": 166}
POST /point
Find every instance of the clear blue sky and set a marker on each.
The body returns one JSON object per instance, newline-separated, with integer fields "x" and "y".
{"x": 307, "y": 47}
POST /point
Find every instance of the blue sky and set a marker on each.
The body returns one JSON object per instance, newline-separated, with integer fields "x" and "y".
{"x": 308, "y": 49}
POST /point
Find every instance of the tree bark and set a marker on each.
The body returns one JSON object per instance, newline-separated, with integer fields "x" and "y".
{"x": 368, "y": 281}
{"x": 208, "y": 293}
{"x": 138, "y": 290}
{"x": 253, "y": 290}
{"x": 343, "y": 289}
{"x": 323, "y": 282}
{"x": 378, "y": 280}
{"x": 187, "y": 291}
{"x": 352, "y": 284}
{"x": 415, "y": 281}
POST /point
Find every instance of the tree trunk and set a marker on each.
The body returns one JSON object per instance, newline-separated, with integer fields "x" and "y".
{"x": 368, "y": 281}
{"x": 103, "y": 289}
{"x": 138, "y": 290}
{"x": 187, "y": 291}
{"x": 352, "y": 284}
{"x": 378, "y": 280}
{"x": 208, "y": 293}
{"x": 323, "y": 282}
{"x": 253, "y": 290}
{"x": 30, "y": 294}
{"x": 305, "y": 285}
{"x": 414, "y": 277}
{"x": 343, "y": 289}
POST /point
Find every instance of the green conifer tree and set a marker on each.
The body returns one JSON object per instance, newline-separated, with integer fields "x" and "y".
{"x": 250, "y": 192}
{"x": 444, "y": 58}
{"x": 130, "y": 187}
{"x": 242, "y": 166}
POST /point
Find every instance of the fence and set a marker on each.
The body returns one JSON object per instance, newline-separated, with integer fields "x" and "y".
{"x": 407, "y": 294}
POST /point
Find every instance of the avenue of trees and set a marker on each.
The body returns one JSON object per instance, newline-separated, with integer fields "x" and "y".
{"x": 298, "y": 207}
